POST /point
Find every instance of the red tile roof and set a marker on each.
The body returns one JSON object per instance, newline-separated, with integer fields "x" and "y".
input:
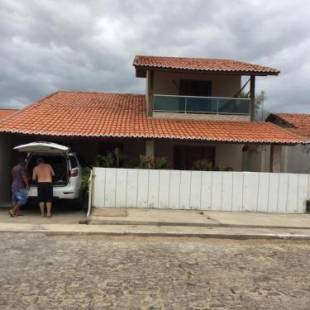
{"x": 6, "y": 112}
{"x": 296, "y": 123}
{"x": 200, "y": 64}
{"x": 82, "y": 114}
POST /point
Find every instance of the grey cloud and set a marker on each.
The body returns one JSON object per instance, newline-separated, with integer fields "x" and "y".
{"x": 90, "y": 45}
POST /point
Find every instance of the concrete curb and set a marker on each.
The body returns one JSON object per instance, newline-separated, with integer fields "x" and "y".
{"x": 186, "y": 235}
{"x": 186, "y": 224}
{"x": 147, "y": 231}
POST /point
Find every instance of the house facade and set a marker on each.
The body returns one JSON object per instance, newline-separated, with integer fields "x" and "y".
{"x": 192, "y": 112}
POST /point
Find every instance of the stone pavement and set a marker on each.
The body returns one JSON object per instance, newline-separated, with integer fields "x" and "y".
{"x": 39, "y": 271}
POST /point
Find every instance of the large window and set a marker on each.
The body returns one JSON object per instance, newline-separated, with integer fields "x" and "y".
{"x": 195, "y": 88}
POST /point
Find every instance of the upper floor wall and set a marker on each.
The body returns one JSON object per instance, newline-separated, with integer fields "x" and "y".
{"x": 169, "y": 83}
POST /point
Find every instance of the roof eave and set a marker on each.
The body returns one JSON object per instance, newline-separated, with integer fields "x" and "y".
{"x": 160, "y": 137}
{"x": 141, "y": 71}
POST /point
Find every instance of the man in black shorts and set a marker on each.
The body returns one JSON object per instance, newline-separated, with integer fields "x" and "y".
{"x": 43, "y": 173}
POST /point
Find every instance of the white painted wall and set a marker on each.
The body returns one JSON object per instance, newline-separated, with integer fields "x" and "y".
{"x": 297, "y": 158}
{"x": 222, "y": 85}
{"x": 294, "y": 159}
{"x": 201, "y": 190}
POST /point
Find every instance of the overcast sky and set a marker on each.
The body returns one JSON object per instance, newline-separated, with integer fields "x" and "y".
{"x": 90, "y": 45}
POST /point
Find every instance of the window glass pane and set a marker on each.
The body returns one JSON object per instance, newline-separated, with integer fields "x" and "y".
{"x": 73, "y": 162}
{"x": 170, "y": 104}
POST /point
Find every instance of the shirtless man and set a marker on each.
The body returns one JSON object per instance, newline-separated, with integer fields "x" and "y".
{"x": 43, "y": 174}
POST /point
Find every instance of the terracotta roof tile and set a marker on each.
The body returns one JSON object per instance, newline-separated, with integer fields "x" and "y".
{"x": 123, "y": 115}
{"x": 296, "y": 123}
{"x": 202, "y": 64}
{"x": 6, "y": 112}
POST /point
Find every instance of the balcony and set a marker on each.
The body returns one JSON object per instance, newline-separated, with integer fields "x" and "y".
{"x": 201, "y": 105}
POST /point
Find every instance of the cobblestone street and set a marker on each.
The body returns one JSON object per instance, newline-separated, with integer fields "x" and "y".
{"x": 100, "y": 272}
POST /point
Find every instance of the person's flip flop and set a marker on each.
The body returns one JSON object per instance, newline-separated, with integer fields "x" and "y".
{"x": 11, "y": 214}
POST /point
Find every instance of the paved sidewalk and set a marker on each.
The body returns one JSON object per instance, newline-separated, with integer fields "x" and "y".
{"x": 133, "y": 216}
{"x": 177, "y": 223}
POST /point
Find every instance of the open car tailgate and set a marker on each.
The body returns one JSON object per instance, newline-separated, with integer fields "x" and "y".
{"x": 42, "y": 147}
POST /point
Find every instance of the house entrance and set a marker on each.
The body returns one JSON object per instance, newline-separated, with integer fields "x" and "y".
{"x": 185, "y": 156}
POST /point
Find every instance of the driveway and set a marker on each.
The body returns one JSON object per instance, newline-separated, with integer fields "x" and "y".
{"x": 100, "y": 272}
{"x": 62, "y": 214}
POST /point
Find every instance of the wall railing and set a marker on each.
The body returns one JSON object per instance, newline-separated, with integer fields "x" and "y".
{"x": 197, "y": 104}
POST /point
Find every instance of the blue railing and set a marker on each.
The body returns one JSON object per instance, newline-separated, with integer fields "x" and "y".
{"x": 209, "y": 105}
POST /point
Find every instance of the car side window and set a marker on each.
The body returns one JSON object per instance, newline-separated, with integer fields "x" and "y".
{"x": 73, "y": 162}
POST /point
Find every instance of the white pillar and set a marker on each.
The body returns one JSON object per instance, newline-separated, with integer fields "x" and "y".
{"x": 284, "y": 156}
{"x": 149, "y": 148}
{"x": 252, "y": 158}
{"x": 275, "y": 158}
{"x": 264, "y": 159}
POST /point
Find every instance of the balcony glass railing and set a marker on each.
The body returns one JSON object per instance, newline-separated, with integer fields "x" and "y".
{"x": 209, "y": 105}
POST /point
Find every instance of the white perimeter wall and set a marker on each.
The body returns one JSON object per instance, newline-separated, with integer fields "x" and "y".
{"x": 201, "y": 190}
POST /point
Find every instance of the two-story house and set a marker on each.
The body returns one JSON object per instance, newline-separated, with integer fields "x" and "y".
{"x": 209, "y": 91}
{"x": 191, "y": 111}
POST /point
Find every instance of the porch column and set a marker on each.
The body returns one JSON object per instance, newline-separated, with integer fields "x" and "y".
{"x": 252, "y": 96}
{"x": 149, "y": 148}
{"x": 275, "y": 158}
{"x": 149, "y": 92}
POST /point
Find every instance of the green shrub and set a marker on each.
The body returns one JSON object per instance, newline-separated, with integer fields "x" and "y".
{"x": 147, "y": 162}
{"x": 161, "y": 163}
{"x": 85, "y": 180}
{"x": 205, "y": 165}
{"x": 202, "y": 164}
{"x": 111, "y": 159}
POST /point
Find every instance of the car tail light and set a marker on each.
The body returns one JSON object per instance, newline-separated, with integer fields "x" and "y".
{"x": 74, "y": 173}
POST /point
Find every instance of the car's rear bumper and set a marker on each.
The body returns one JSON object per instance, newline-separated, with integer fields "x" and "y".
{"x": 59, "y": 192}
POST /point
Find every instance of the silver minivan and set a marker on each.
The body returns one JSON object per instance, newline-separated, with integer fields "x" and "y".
{"x": 68, "y": 172}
